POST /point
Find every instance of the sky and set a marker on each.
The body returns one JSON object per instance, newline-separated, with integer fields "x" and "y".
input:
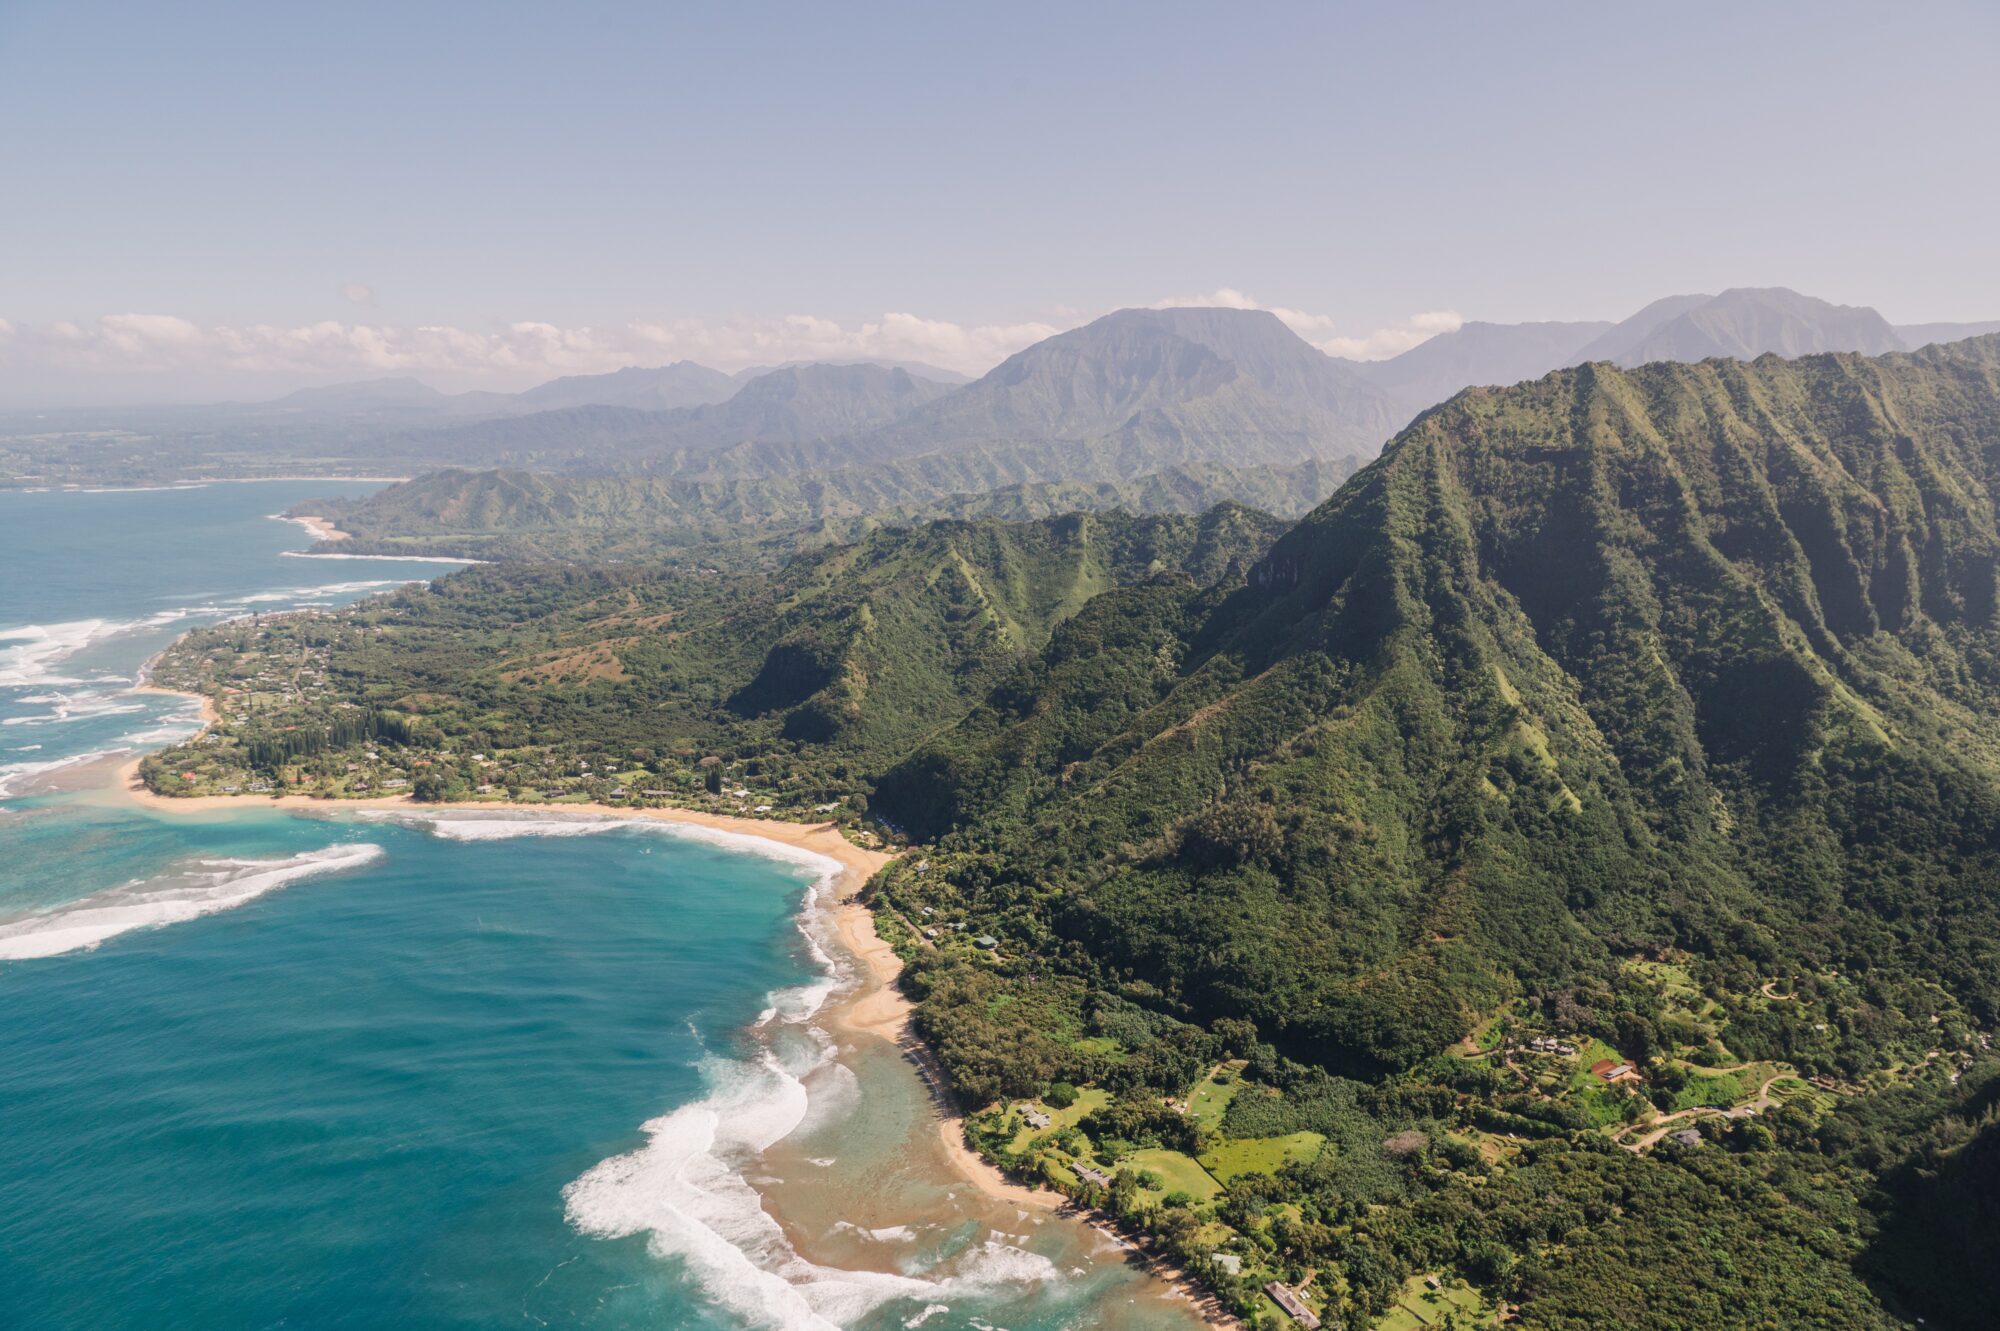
{"x": 215, "y": 200}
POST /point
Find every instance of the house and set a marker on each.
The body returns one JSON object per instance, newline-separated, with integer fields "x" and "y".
{"x": 1229, "y": 1262}
{"x": 1096, "y": 1177}
{"x": 1295, "y": 1308}
{"x": 1549, "y": 1044}
{"x": 1687, "y": 1137}
{"x": 1614, "y": 1071}
{"x": 1035, "y": 1118}
{"x": 986, "y": 941}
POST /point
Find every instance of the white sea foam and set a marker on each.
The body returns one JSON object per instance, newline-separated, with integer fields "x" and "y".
{"x": 477, "y": 826}
{"x": 395, "y": 559}
{"x": 30, "y": 652}
{"x": 133, "y": 489}
{"x": 886, "y": 1234}
{"x": 74, "y": 707}
{"x": 209, "y": 887}
{"x": 689, "y": 1188}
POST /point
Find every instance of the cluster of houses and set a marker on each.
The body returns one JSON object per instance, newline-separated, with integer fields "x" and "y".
{"x": 1550, "y": 1044}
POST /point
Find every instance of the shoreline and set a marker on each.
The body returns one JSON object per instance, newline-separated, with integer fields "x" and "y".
{"x": 321, "y": 529}
{"x": 875, "y": 1007}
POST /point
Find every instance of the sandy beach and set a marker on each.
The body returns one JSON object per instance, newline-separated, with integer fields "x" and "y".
{"x": 873, "y": 1008}
{"x": 321, "y": 529}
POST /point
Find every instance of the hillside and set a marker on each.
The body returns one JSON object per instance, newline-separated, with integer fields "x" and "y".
{"x": 1605, "y": 661}
{"x": 858, "y": 650}
{"x": 1169, "y": 387}
{"x": 1477, "y": 353}
{"x": 536, "y": 515}
{"x": 661, "y": 388}
{"x": 1564, "y": 866}
{"x": 1743, "y": 323}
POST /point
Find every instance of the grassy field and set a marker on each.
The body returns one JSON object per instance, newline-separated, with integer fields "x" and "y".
{"x": 1260, "y": 1155}
{"x": 1420, "y": 1306}
{"x": 1208, "y": 1102}
{"x": 1177, "y": 1173}
{"x": 1720, "y": 1089}
{"x": 1087, "y": 1102}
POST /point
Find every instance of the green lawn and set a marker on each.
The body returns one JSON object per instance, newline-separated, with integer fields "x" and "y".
{"x": 1208, "y": 1102}
{"x": 1087, "y": 1102}
{"x": 1178, "y": 1173}
{"x": 1259, "y": 1155}
{"x": 1420, "y": 1306}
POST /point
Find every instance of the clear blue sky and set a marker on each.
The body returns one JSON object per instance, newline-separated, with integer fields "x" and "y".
{"x": 479, "y": 164}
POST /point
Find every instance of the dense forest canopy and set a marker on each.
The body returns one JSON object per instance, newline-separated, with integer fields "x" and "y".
{"x": 1567, "y": 862}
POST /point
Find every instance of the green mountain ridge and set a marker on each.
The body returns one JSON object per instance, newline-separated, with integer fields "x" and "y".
{"x": 1640, "y": 718}
{"x": 536, "y": 515}
{"x": 1613, "y": 660}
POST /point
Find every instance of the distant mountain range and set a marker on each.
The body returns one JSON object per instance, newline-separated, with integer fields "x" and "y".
{"x": 1141, "y": 407}
{"x": 1181, "y": 386}
{"x": 1741, "y": 324}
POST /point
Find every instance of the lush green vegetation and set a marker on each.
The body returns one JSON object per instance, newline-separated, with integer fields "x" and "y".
{"x": 1564, "y": 864}
{"x": 636, "y": 683}
{"x": 760, "y": 520}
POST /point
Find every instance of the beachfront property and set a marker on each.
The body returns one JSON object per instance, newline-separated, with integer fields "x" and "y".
{"x": 1294, "y": 1307}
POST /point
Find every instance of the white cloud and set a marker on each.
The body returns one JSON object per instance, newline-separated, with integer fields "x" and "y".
{"x": 357, "y": 293}
{"x": 137, "y": 346}
{"x": 515, "y": 353}
{"x": 1323, "y": 332}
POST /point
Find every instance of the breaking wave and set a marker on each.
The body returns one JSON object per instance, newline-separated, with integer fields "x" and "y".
{"x": 394, "y": 559}
{"x": 211, "y": 886}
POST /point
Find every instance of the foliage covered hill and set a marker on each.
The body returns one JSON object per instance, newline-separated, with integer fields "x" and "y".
{"x": 1743, "y": 322}
{"x": 539, "y": 515}
{"x": 1697, "y": 656}
{"x": 658, "y": 388}
{"x": 1181, "y": 385}
{"x": 832, "y": 667}
{"x": 1477, "y": 353}
{"x": 793, "y": 405}
{"x": 1643, "y": 716}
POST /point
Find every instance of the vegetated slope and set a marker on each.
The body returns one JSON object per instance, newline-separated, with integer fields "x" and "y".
{"x": 538, "y": 515}
{"x": 1175, "y": 386}
{"x": 1696, "y": 655}
{"x": 855, "y": 652}
{"x": 796, "y": 405}
{"x": 1477, "y": 353}
{"x": 653, "y": 388}
{"x": 1745, "y": 322}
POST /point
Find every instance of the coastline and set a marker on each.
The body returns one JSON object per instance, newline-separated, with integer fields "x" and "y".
{"x": 874, "y": 1007}
{"x": 321, "y": 529}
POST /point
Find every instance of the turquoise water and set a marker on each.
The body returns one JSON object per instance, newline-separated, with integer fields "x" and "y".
{"x": 471, "y": 1070}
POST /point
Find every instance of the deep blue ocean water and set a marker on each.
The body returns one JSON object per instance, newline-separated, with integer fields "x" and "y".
{"x": 260, "y": 1069}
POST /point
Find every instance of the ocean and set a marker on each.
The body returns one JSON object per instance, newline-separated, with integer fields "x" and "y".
{"x": 429, "y": 1069}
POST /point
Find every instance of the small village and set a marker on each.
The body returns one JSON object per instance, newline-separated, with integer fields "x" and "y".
{"x": 282, "y": 726}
